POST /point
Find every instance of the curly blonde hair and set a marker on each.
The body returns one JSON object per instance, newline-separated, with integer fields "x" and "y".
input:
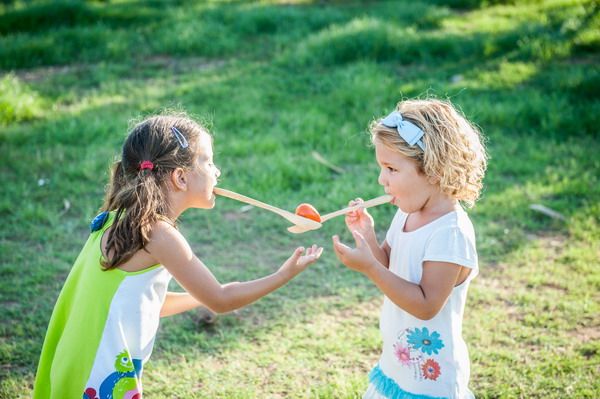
{"x": 454, "y": 156}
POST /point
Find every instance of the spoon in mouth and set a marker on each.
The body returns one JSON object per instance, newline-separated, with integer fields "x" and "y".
{"x": 298, "y": 221}
{"x": 384, "y": 199}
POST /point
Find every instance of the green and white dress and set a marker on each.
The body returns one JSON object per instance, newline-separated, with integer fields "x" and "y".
{"x": 102, "y": 328}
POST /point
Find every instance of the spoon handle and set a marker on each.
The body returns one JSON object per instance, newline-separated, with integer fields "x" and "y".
{"x": 367, "y": 204}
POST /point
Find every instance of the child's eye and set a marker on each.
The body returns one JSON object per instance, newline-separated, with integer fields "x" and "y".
{"x": 390, "y": 169}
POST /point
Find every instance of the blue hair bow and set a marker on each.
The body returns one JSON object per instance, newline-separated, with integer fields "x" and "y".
{"x": 409, "y": 132}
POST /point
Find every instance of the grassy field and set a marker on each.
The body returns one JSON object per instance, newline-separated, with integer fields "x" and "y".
{"x": 274, "y": 81}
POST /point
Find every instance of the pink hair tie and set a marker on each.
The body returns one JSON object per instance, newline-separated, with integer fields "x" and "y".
{"x": 146, "y": 165}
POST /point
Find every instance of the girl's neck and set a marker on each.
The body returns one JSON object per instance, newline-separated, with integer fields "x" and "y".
{"x": 434, "y": 208}
{"x": 176, "y": 206}
{"x": 437, "y": 205}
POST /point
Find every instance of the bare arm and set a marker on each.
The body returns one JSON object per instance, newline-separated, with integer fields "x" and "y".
{"x": 423, "y": 300}
{"x": 178, "y": 302}
{"x": 169, "y": 248}
{"x": 380, "y": 252}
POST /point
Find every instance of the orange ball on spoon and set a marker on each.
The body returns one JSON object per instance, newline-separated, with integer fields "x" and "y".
{"x": 308, "y": 211}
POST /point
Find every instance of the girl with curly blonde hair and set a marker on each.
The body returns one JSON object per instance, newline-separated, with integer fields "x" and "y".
{"x": 432, "y": 159}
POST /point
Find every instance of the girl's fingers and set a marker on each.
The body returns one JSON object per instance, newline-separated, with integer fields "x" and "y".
{"x": 354, "y": 203}
{"x": 336, "y": 242}
{"x": 359, "y": 239}
{"x": 351, "y": 203}
{"x": 338, "y": 246}
{"x": 297, "y": 253}
{"x": 316, "y": 253}
{"x": 313, "y": 253}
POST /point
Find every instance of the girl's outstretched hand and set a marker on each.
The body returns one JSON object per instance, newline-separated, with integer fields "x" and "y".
{"x": 300, "y": 260}
{"x": 360, "y": 258}
{"x": 359, "y": 220}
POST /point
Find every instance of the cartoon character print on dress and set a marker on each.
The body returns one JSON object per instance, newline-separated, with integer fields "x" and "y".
{"x": 122, "y": 383}
{"x": 90, "y": 393}
{"x": 411, "y": 347}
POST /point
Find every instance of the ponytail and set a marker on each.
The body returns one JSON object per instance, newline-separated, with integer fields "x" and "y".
{"x": 142, "y": 204}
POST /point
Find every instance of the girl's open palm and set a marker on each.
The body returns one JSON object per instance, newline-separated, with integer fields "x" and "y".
{"x": 359, "y": 220}
{"x": 301, "y": 259}
{"x": 359, "y": 258}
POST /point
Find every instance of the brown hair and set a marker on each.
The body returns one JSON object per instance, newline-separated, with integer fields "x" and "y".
{"x": 138, "y": 196}
{"x": 454, "y": 155}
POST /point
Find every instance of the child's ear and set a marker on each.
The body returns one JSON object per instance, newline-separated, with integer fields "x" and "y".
{"x": 179, "y": 179}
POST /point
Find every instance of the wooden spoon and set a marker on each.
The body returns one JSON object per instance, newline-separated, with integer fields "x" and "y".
{"x": 299, "y": 221}
{"x": 384, "y": 199}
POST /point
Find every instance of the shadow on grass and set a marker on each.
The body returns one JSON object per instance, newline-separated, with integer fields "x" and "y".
{"x": 34, "y": 36}
{"x": 48, "y": 16}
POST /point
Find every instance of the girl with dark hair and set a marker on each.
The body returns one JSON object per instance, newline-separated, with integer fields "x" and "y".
{"x": 105, "y": 320}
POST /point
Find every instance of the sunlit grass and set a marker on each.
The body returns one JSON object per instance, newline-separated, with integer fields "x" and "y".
{"x": 18, "y": 102}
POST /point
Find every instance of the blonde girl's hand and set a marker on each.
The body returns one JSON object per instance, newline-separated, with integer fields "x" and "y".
{"x": 300, "y": 260}
{"x": 359, "y": 220}
{"x": 360, "y": 258}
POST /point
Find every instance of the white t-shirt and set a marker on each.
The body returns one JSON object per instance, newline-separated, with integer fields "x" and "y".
{"x": 426, "y": 358}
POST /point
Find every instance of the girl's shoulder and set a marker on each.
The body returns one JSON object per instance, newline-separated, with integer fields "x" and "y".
{"x": 163, "y": 232}
{"x": 457, "y": 220}
{"x": 165, "y": 237}
{"x": 168, "y": 247}
{"x": 452, "y": 240}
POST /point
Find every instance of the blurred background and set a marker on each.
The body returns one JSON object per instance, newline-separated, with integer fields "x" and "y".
{"x": 288, "y": 89}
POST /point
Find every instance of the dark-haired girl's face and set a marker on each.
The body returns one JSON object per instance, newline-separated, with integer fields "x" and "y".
{"x": 203, "y": 176}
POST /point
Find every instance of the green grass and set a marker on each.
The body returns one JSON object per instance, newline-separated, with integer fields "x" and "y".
{"x": 275, "y": 81}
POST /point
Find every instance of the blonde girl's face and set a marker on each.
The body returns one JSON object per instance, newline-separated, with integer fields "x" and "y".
{"x": 203, "y": 176}
{"x": 400, "y": 177}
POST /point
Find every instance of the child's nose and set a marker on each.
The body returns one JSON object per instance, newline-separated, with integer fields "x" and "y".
{"x": 380, "y": 179}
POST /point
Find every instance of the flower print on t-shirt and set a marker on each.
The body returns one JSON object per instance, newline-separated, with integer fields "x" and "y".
{"x": 411, "y": 348}
{"x": 427, "y": 343}
{"x": 431, "y": 369}
{"x": 402, "y": 354}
